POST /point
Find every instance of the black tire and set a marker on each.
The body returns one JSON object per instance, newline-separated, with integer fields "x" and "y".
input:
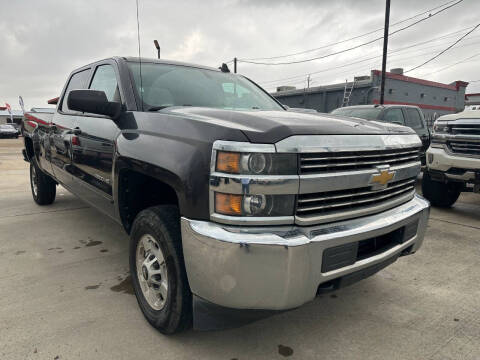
{"x": 46, "y": 187}
{"x": 438, "y": 193}
{"x": 163, "y": 224}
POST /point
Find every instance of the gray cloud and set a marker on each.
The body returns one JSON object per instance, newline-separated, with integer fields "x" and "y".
{"x": 42, "y": 41}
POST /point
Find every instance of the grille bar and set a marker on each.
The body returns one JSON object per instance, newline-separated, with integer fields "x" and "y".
{"x": 357, "y": 156}
{"x": 349, "y": 194}
{"x": 465, "y": 147}
{"x": 344, "y": 161}
{"x": 356, "y": 202}
{"x": 392, "y": 161}
{"x": 466, "y": 129}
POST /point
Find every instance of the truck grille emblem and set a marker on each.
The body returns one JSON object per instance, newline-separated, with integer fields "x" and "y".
{"x": 381, "y": 180}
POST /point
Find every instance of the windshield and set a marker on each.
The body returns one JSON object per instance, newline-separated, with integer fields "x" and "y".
{"x": 176, "y": 85}
{"x": 363, "y": 113}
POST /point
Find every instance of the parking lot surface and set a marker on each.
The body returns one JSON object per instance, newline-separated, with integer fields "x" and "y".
{"x": 66, "y": 293}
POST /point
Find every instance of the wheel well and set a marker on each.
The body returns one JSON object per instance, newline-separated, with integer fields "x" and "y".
{"x": 137, "y": 191}
{"x": 29, "y": 148}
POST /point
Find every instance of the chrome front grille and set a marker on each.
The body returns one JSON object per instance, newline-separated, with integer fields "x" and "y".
{"x": 317, "y": 163}
{"x": 356, "y": 202}
{"x": 469, "y": 148}
{"x": 465, "y": 129}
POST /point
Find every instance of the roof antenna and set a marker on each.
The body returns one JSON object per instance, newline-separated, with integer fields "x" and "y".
{"x": 139, "y": 56}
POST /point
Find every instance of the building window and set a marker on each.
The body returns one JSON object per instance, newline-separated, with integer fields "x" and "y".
{"x": 445, "y": 99}
{"x": 434, "y": 98}
{"x": 422, "y": 95}
{"x": 406, "y": 93}
{"x": 390, "y": 91}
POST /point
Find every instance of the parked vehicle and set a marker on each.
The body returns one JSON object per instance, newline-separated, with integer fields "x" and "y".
{"x": 8, "y": 131}
{"x": 236, "y": 208}
{"x": 453, "y": 159}
{"x": 406, "y": 115}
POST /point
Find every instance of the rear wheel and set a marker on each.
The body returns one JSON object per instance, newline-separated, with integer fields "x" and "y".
{"x": 43, "y": 186}
{"x": 438, "y": 193}
{"x": 158, "y": 271}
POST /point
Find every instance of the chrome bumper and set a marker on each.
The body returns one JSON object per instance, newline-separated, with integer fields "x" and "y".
{"x": 280, "y": 267}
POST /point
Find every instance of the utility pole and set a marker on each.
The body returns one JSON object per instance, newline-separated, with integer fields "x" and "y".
{"x": 235, "y": 65}
{"x": 385, "y": 46}
{"x": 157, "y": 46}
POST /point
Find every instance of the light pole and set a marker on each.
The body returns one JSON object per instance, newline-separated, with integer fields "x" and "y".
{"x": 385, "y": 45}
{"x": 157, "y": 46}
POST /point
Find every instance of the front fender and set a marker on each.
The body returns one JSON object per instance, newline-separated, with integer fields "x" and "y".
{"x": 181, "y": 163}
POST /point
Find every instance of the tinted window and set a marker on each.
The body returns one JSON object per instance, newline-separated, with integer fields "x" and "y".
{"x": 414, "y": 119}
{"x": 77, "y": 81}
{"x": 363, "y": 113}
{"x": 106, "y": 81}
{"x": 175, "y": 85}
{"x": 394, "y": 116}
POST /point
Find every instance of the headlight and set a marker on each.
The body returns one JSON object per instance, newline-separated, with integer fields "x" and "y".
{"x": 256, "y": 163}
{"x": 254, "y": 205}
{"x": 252, "y": 183}
{"x": 440, "y": 128}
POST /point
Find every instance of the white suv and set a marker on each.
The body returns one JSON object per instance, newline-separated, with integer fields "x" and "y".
{"x": 453, "y": 159}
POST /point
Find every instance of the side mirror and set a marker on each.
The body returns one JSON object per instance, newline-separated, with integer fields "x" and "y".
{"x": 93, "y": 101}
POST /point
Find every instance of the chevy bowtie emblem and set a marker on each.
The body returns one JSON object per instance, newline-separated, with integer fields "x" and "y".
{"x": 383, "y": 178}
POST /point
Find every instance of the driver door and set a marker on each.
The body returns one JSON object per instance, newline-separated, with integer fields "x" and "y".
{"x": 93, "y": 144}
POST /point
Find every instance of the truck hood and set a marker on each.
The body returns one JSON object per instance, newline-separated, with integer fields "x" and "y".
{"x": 273, "y": 126}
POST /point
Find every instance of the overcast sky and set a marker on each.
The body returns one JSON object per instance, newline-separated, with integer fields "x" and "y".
{"x": 42, "y": 41}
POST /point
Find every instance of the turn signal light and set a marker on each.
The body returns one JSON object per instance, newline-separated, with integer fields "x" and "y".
{"x": 228, "y": 162}
{"x": 228, "y": 204}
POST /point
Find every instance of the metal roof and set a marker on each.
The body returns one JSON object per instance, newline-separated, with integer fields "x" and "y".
{"x": 14, "y": 112}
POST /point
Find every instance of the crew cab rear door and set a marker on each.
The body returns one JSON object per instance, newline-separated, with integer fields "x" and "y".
{"x": 61, "y": 130}
{"x": 93, "y": 141}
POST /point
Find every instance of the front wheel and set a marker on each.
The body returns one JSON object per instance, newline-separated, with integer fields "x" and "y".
{"x": 438, "y": 193}
{"x": 43, "y": 186}
{"x": 158, "y": 271}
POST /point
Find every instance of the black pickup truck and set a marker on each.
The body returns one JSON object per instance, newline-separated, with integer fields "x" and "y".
{"x": 236, "y": 208}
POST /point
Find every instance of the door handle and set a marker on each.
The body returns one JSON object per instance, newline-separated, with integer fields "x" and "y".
{"x": 77, "y": 131}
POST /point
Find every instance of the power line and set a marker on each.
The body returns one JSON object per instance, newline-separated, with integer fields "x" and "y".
{"x": 349, "y": 39}
{"x": 451, "y": 65}
{"x": 444, "y": 50}
{"x": 373, "y": 57}
{"x": 354, "y": 47}
{"x": 356, "y": 69}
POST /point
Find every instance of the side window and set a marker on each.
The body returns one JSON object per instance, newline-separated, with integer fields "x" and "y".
{"x": 414, "y": 120}
{"x": 105, "y": 80}
{"x": 394, "y": 116}
{"x": 77, "y": 81}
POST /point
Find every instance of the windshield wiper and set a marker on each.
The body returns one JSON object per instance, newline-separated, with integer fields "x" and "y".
{"x": 156, "y": 108}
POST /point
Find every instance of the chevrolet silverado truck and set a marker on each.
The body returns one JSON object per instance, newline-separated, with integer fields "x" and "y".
{"x": 453, "y": 159}
{"x": 235, "y": 207}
